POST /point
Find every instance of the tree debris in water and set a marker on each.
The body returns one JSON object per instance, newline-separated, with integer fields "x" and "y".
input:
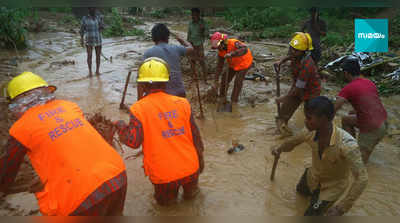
{"x": 105, "y": 128}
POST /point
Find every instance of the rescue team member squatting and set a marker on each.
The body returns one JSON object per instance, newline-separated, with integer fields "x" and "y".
{"x": 80, "y": 173}
{"x": 335, "y": 154}
{"x": 164, "y": 125}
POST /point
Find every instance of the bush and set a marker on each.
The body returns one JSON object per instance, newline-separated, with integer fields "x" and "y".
{"x": 61, "y": 9}
{"x": 115, "y": 26}
{"x": 263, "y": 18}
{"x": 135, "y": 21}
{"x": 69, "y": 19}
{"x": 158, "y": 13}
{"x": 12, "y": 30}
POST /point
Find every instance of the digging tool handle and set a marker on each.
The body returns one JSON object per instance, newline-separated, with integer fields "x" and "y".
{"x": 274, "y": 167}
{"x": 278, "y": 87}
{"x": 121, "y": 106}
{"x": 104, "y": 56}
{"x": 198, "y": 89}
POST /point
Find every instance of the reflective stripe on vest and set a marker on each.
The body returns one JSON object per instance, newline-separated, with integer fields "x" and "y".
{"x": 237, "y": 63}
{"x": 67, "y": 152}
{"x": 169, "y": 152}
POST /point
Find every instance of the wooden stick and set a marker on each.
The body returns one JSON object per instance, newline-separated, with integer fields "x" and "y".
{"x": 198, "y": 89}
{"x": 278, "y": 88}
{"x": 272, "y": 44}
{"x": 122, "y": 105}
{"x": 377, "y": 64}
{"x": 274, "y": 167}
{"x": 278, "y": 94}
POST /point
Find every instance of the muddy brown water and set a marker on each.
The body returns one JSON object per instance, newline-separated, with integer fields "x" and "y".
{"x": 235, "y": 184}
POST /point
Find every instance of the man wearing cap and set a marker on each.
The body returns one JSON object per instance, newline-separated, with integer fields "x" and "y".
{"x": 239, "y": 59}
{"x": 164, "y": 125}
{"x": 370, "y": 116}
{"x": 306, "y": 80}
{"x": 80, "y": 172}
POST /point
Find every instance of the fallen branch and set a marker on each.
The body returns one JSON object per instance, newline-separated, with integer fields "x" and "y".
{"x": 349, "y": 48}
{"x": 379, "y": 63}
{"x": 272, "y": 43}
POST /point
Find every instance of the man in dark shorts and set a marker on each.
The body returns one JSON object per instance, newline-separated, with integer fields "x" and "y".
{"x": 369, "y": 116}
{"x": 335, "y": 154}
{"x": 91, "y": 27}
{"x": 316, "y": 27}
{"x": 172, "y": 54}
{"x": 164, "y": 125}
{"x": 197, "y": 33}
{"x": 306, "y": 80}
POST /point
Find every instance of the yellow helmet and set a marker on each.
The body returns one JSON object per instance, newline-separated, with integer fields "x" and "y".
{"x": 25, "y": 82}
{"x": 301, "y": 41}
{"x": 153, "y": 69}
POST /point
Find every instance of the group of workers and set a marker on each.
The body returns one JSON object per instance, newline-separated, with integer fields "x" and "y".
{"x": 81, "y": 174}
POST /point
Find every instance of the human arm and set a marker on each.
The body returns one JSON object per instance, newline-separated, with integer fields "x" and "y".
{"x": 101, "y": 23}
{"x": 131, "y": 134}
{"x": 11, "y": 162}
{"x": 220, "y": 66}
{"x": 205, "y": 30}
{"x": 359, "y": 171}
{"x": 82, "y": 30}
{"x": 293, "y": 92}
{"x": 241, "y": 49}
{"x": 198, "y": 142}
{"x": 339, "y": 103}
{"x": 188, "y": 46}
{"x": 189, "y": 33}
{"x": 280, "y": 62}
{"x": 291, "y": 143}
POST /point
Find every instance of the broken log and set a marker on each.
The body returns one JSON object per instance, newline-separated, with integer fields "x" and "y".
{"x": 379, "y": 63}
{"x": 271, "y": 43}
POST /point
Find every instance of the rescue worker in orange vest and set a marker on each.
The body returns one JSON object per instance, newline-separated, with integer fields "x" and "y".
{"x": 239, "y": 59}
{"x": 164, "y": 125}
{"x": 80, "y": 173}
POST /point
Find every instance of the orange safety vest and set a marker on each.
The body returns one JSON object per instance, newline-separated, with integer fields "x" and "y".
{"x": 168, "y": 149}
{"x": 67, "y": 153}
{"x": 237, "y": 63}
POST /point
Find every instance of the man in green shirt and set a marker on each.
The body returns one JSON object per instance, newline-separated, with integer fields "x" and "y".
{"x": 197, "y": 33}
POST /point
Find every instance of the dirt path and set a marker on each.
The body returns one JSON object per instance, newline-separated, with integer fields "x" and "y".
{"x": 231, "y": 184}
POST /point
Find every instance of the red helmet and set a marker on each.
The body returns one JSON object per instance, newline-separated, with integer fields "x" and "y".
{"x": 216, "y": 39}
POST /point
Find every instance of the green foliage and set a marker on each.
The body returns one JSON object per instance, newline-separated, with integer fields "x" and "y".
{"x": 61, "y": 9}
{"x": 158, "y": 13}
{"x": 115, "y": 26}
{"x": 69, "y": 19}
{"x": 12, "y": 30}
{"x": 394, "y": 36}
{"x": 164, "y": 12}
{"x": 134, "y": 10}
{"x": 134, "y": 32}
{"x": 282, "y": 22}
{"x": 135, "y": 21}
{"x": 261, "y": 18}
{"x": 283, "y": 31}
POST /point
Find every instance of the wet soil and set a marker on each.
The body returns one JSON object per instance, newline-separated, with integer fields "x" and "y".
{"x": 236, "y": 184}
